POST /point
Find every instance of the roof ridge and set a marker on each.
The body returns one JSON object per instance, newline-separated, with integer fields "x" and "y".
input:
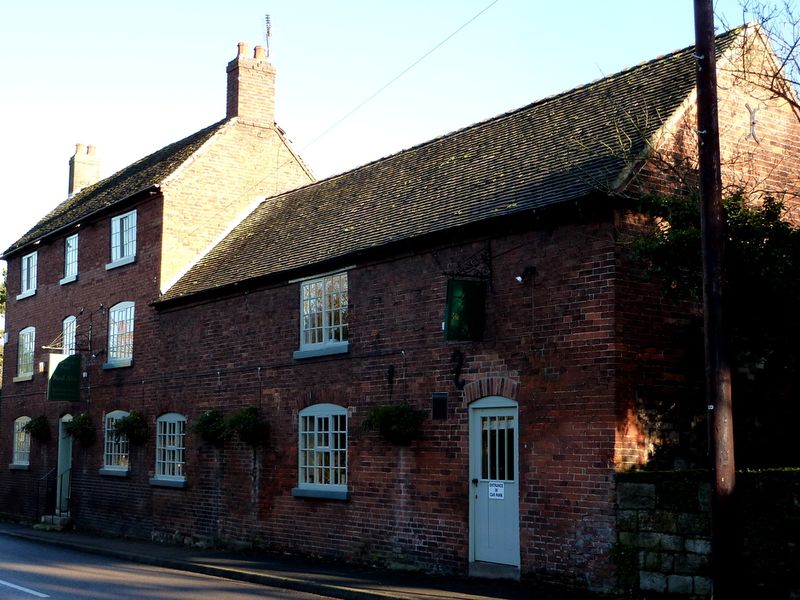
{"x": 119, "y": 186}
{"x": 726, "y": 36}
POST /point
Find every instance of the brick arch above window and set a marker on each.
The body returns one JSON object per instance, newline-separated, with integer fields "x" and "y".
{"x": 491, "y": 386}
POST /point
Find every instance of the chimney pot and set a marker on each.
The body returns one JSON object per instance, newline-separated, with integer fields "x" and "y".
{"x": 91, "y": 150}
{"x": 78, "y": 149}
{"x": 251, "y": 88}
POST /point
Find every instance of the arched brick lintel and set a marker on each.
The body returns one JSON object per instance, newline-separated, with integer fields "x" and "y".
{"x": 491, "y": 386}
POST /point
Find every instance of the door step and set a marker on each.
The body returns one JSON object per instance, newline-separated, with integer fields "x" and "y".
{"x": 54, "y": 522}
{"x": 493, "y": 570}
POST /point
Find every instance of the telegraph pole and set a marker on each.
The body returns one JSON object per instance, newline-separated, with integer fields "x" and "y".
{"x": 718, "y": 378}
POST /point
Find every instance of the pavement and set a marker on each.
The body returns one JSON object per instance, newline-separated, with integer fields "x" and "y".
{"x": 324, "y": 578}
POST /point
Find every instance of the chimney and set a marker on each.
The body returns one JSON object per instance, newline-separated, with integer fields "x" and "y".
{"x": 84, "y": 168}
{"x": 251, "y": 87}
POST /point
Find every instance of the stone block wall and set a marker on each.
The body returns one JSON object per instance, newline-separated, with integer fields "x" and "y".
{"x": 663, "y": 533}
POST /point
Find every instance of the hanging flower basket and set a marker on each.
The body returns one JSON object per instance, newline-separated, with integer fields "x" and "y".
{"x": 212, "y": 428}
{"x": 249, "y": 425}
{"x": 133, "y": 427}
{"x": 81, "y": 429}
{"x": 398, "y": 424}
{"x": 38, "y": 428}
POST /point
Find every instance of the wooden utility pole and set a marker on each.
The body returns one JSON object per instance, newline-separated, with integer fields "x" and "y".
{"x": 718, "y": 379}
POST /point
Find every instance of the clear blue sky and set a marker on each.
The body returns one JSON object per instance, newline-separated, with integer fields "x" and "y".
{"x": 133, "y": 77}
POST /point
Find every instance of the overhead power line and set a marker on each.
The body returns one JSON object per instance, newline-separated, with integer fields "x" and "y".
{"x": 399, "y": 75}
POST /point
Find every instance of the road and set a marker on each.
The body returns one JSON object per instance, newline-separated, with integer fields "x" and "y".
{"x": 29, "y": 571}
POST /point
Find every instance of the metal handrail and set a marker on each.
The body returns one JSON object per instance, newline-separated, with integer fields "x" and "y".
{"x": 60, "y": 508}
{"x": 41, "y": 479}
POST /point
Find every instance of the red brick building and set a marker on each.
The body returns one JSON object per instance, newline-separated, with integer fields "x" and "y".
{"x": 481, "y": 278}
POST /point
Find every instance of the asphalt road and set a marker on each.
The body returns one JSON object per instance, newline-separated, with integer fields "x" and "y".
{"x": 29, "y": 571}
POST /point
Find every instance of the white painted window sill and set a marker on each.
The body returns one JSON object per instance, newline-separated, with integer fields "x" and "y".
{"x": 299, "y": 492}
{"x": 120, "y": 262}
{"x": 168, "y": 483}
{"x": 23, "y": 377}
{"x": 26, "y": 294}
{"x": 67, "y": 279}
{"x": 109, "y": 472}
{"x": 118, "y": 363}
{"x": 327, "y": 350}
{"x": 19, "y": 467}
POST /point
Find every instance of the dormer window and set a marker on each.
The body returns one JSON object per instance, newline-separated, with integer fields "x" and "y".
{"x": 27, "y": 286}
{"x": 123, "y": 240}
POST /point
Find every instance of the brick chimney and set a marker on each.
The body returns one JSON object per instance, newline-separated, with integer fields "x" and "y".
{"x": 251, "y": 87}
{"x": 84, "y": 168}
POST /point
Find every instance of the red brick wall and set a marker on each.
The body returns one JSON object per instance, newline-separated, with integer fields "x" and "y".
{"x": 549, "y": 342}
{"x": 764, "y": 167}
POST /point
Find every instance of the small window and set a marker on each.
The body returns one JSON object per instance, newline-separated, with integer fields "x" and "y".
{"x": 22, "y": 443}
{"x": 123, "y": 240}
{"x": 323, "y": 316}
{"x": 69, "y": 327}
{"x": 170, "y": 449}
{"x": 27, "y": 341}
{"x": 115, "y": 448}
{"x": 120, "y": 335}
{"x": 322, "y": 448}
{"x": 70, "y": 259}
{"x": 464, "y": 313}
{"x": 28, "y": 276}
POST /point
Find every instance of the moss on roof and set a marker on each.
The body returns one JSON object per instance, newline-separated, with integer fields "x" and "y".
{"x": 556, "y": 150}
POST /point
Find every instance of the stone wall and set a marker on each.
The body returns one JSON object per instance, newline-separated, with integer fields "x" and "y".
{"x": 664, "y": 534}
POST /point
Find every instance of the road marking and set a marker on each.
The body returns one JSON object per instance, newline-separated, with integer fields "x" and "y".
{"x": 24, "y": 589}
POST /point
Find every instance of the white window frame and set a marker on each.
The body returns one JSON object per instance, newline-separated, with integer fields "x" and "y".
{"x": 25, "y": 354}
{"x": 70, "y": 259}
{"x": 69, "y": 329}
{"x": 116, "y": 449}
{"x": 170, "y": 467}
{"x": 324, "y": 318}
{"x": 322, "y": 452}
{"x": 28, "y": 275}
{"x": 123, "y": 240}
{"x": 21, "y": 455}
{"x": 121, "y": 319}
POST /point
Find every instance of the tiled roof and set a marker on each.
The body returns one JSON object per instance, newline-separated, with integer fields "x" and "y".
{"x": 141, "y": 175}
{"x": 556, "y": 150}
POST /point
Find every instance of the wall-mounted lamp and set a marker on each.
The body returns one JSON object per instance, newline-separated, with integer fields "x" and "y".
{"x": 526, "y": 274}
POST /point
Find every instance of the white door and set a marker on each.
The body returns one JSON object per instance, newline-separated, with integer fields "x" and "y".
{"x": 64, "y": 466}
{"x": 494, "y": 485}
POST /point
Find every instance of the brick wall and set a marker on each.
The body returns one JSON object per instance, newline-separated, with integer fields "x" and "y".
{"x": 764, "y": 164}
{"x": 547, "y": 342}
{"x": 221, "y": 183}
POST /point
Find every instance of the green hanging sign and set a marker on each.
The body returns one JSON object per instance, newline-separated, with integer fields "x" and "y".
{"x": 64, "y": 382}
{"x": 464, "y": 313}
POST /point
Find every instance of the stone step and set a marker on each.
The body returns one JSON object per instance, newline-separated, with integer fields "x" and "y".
{"x": 54, "y": 522}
